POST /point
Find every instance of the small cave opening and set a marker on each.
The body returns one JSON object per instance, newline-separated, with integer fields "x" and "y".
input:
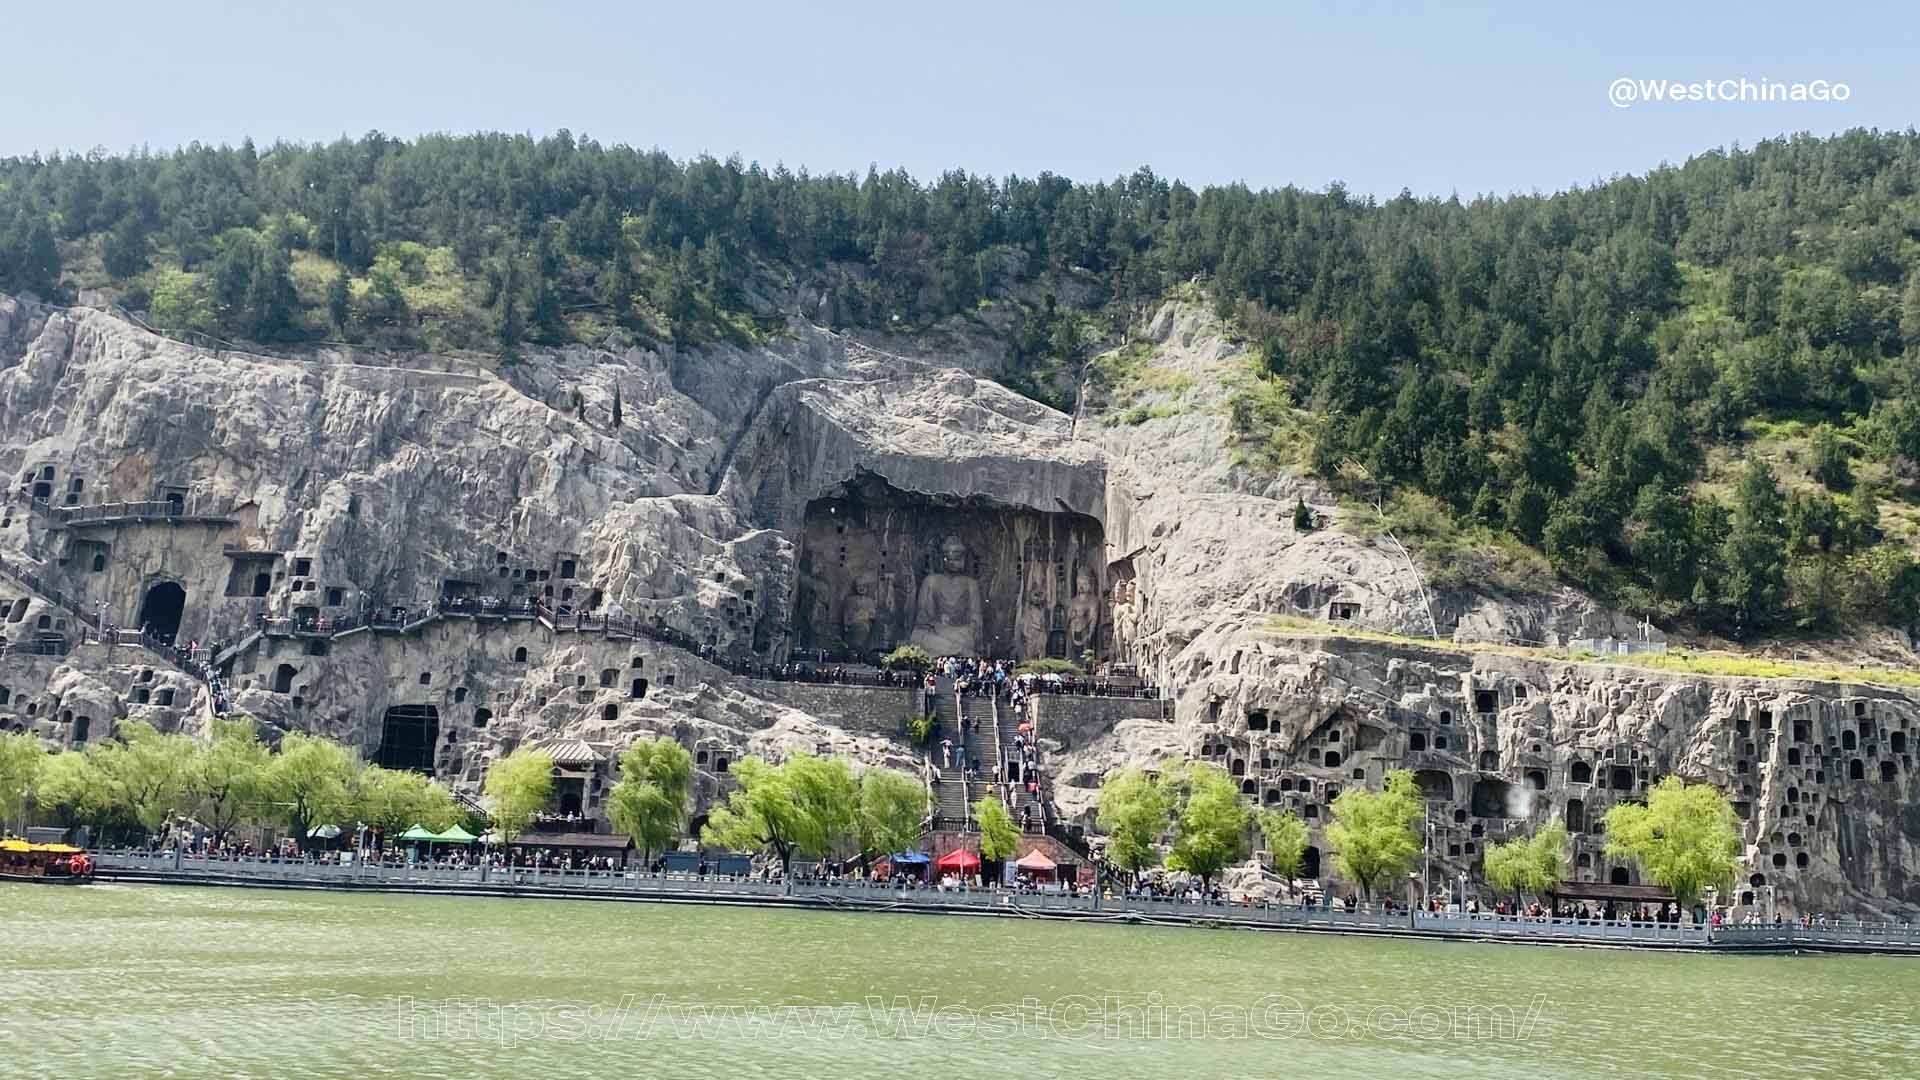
{"x": 1434, "y": 784}
{"x": 1498, "y": 799}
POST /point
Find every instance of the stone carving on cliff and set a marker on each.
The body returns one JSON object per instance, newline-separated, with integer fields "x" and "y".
{"x": 1125, "y": 621}
{"x": 1083, "y": 613}
{"x": 858, "y": 618}
{"x": 1036, "y": 608}
{"x": 946, "y": 617}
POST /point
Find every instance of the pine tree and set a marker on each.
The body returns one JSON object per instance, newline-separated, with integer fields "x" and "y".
{"x": 123, "y": 252}
{"x": 617, "y": 418}
{"x": 271, "y": 301}
{"x": 39, "y": 267}
{"x": 339, "y": 301}
{"x": 1754, "y": 556}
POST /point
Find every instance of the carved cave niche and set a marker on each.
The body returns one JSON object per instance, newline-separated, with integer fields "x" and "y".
{"x": 880, "y": 567}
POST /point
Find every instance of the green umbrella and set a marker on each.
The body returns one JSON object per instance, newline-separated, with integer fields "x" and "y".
{"x": 420, "y": 832}
{"x": 454, "y": 835}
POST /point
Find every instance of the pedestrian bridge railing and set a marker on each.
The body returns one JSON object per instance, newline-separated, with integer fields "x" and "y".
{"x": 1522, "y": 926}
{"x": 1790, "y": 935}
{"x": 855, "y": 893}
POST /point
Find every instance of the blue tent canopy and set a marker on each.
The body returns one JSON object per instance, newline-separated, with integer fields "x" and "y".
{"x": 909, "y": 858}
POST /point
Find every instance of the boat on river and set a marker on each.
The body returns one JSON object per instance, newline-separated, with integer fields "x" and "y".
{"x": 44, "y": 864}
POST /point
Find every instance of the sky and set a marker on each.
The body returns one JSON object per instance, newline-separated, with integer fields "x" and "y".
{"x": 1440, "y": 100}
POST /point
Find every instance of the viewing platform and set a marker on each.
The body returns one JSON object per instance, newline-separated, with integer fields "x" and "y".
{"x": 120, "y": 514}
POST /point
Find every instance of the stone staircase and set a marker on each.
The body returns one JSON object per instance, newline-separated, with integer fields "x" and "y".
{"x": 950, "y": 802}
{"x": 1006, "y": 727}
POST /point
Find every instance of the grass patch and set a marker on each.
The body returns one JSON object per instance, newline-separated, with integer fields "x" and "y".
{"x": 1452, "y": 555}
{"x": 1760, "y": 667}
{"x": 1678, "y": 661}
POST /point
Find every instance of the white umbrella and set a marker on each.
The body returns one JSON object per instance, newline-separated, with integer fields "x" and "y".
{"x": 324, "y": 832}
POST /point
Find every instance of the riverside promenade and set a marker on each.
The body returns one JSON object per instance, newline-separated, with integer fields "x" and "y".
{"x": 844, "y": 895}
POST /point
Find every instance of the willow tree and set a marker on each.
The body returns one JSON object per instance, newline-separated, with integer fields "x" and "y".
{"x": 892, "y": 808}
{"x": 650, "y": 801}
{"x": 1135, "y": 810}
{"x": 519, "y": 786}
{"x": 392, "y": 800}
{"x": 1535, "y": 864}
{"x": 1285, "y": 835}
{"x": 1686, "y": 837}
{"x": 1210, "y": 827}
{"x": 999, "y": 836}
{"x": 22, "y": 757}
{"x": 1373, "y": 833}
{"x": 71, "y": 789}
{"x": 231, "y": 776}
{"x": 803, "y": 804}
{"x": 311, "y": 781}
{"x": 149, "y": 775}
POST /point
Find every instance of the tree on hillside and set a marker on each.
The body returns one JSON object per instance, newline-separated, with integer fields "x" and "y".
{"x": 340, "y": 301}
{"x": 650, "y": 801}
{"x": 1832, "y": 464}
{"x": 1753, "y": 557}
{"x": 1535, "y": 864}
{"x": 999, "y": 836}
{"x": 1685, "y": 837}
{"x": 618, "y": 419}
{"x": 519, "y": 786}
{"x": 1285, "y": 835}
{"x": 1210, "y": 822}
{"x": 1135, "y": 811}
{"x": 892, "y": 809}
{"x": 1373, "y": 832}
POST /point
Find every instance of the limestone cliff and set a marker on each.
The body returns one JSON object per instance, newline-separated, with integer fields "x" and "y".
{"x": 799, "y": 496}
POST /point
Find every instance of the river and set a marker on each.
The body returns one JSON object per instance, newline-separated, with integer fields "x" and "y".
{"x": 117, "y": 981}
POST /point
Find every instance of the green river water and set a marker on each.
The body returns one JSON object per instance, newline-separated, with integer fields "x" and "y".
{"x": 147, "y": 981}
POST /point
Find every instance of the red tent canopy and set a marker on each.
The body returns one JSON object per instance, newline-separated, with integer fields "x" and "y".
{"x": 1035, "y": 862}
{"x": 959, "y": 859}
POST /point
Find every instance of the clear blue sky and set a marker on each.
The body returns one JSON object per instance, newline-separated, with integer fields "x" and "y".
{"x": 1380, "y": 96}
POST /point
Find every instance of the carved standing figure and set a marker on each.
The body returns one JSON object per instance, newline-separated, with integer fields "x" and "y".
{"x": 1036, "y": 608}
{"x": 856, "y": 619}
{"x": 1126, "y": 621}
{"x": 1083, "y": 614}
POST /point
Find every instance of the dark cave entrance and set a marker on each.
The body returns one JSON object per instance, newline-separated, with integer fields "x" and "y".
{"x": 408, "y": 734}
{"x": 161, "y": 610}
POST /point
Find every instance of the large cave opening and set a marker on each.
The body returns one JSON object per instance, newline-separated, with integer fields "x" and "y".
{"x": 161, "y": 610}
{"x": 408, "y": 735}
{"x": 881, "y": 567}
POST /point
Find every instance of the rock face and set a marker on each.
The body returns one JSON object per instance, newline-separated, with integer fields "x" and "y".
{"x": 817, "y": 494}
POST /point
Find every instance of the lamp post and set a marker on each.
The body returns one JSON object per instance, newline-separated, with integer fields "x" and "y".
{"x": 1426, "y": 883}
{"x": 1463, "y": 893}
{"x": 1410, "y": 908}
